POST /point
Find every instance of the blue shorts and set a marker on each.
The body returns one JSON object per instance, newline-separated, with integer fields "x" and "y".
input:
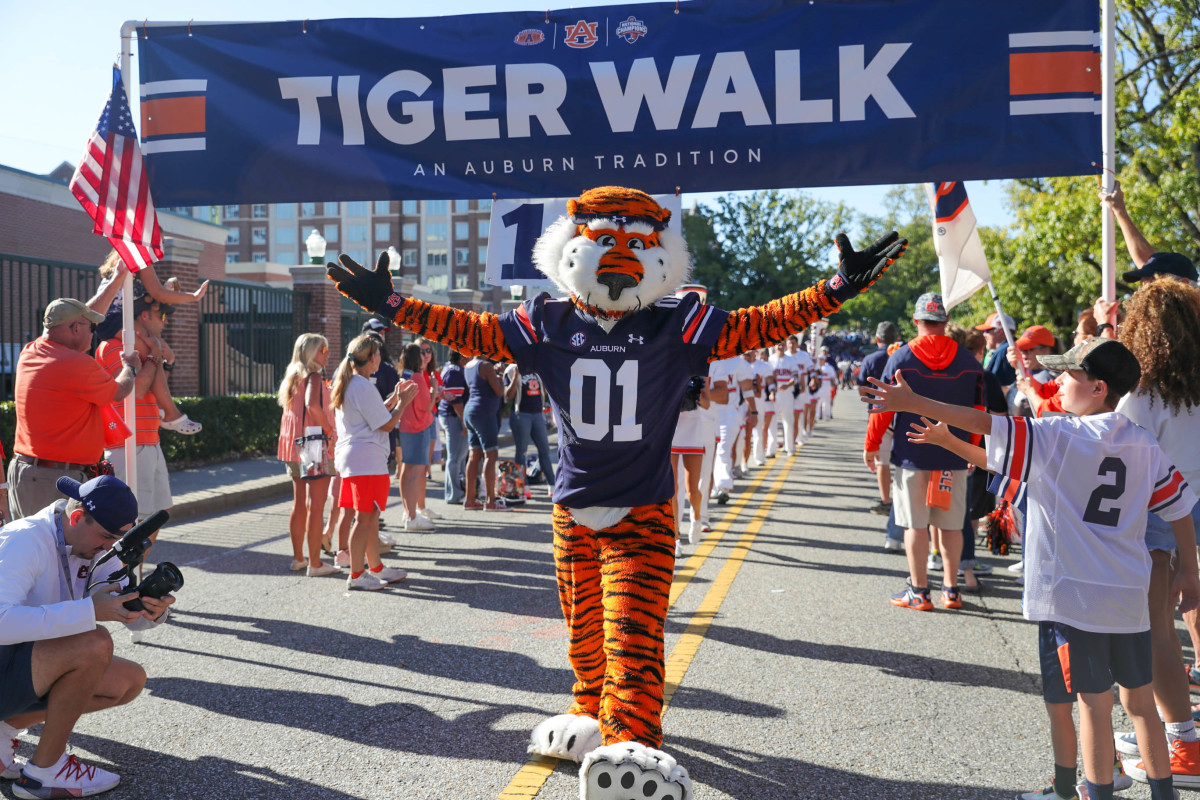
{"x": 16, "y": 680}
{"x": 483, "y": 430}
{"x": 1076, "y": 661}
{"x": 1159, "y": 535}
{"x": 414, "y": 447}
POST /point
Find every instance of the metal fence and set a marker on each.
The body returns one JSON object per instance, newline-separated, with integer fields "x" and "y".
{"x": 246, "y": 336}
{"x": 26, "y": 287}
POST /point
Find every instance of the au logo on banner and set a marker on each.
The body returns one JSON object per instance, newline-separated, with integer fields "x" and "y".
{"x": 516, "y": 225}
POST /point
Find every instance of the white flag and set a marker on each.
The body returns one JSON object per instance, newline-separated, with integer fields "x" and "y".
{"x": 962, "y": 264}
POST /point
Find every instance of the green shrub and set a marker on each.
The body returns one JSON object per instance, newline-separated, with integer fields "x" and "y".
{"x": 234, "y": 427}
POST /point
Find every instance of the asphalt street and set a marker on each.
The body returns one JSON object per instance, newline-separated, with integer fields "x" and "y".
{"x": 790, "y": 675}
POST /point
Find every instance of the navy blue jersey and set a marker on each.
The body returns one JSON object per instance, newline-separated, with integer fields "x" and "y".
{"x": 616, "y": 394}
{"x": 481, "y": 397}
{"x": 454, "y": 390}
{"x": 529, "y": 396}
{"x": 872, "y": 366}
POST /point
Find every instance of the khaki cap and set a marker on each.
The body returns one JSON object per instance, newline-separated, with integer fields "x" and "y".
{"x": 68, "y": 309}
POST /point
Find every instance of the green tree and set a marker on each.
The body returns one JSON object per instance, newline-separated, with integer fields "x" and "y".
{"x": 756, "y": 247}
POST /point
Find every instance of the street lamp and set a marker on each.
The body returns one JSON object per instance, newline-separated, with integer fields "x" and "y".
{"x": 393, "y": 259}
{"x": 315, "y": 244}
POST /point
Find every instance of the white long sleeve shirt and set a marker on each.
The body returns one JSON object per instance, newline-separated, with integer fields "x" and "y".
{"x": 38, "y": 600}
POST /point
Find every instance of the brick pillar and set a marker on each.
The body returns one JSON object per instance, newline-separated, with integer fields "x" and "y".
{"x": 324, "y": 307}
{"x": 181, "y": 259}
{"x": 466, "y": 299}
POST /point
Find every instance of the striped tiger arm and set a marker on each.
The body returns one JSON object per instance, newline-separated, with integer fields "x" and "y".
{"x": 762, "y": 326}
{"x": 468, "y": 332}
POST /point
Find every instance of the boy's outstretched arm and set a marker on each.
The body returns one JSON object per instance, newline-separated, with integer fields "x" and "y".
{"x": 899, "y": 397}
{"x": 938, "y": 433}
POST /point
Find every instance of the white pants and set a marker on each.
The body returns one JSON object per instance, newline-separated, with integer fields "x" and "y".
{"x": 706, "y": 471}
{"x": 759, "y": 433}
{"x": 825, "y": 402}
{"x": 728, "y": 424}
{"x": 785, "y": 413}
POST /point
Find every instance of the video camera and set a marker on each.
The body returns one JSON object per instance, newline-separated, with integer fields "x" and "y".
{"x": 131, "y": 549}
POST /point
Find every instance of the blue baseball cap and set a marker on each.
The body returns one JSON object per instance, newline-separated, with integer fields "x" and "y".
{"x": 930, "y": 308}
{"x": 107, "y": 500}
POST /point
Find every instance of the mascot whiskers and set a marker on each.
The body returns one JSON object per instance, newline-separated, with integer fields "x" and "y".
{"x": 614, "y": 358}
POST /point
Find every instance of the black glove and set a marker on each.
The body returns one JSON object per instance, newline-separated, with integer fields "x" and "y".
{"x": 859, "y": 269}
{"x": 371, "y": 289}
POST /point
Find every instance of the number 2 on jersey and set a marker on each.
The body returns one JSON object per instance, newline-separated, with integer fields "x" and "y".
{"x": 1109, "y": 517}
{"x": 628, "y": 429}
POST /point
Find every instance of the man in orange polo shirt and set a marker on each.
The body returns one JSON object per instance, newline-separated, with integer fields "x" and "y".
{"x": 60, "y": 395}
{"x": 153, "y": 488}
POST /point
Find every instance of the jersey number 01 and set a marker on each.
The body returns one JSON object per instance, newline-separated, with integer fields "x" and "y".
{"x": 626, "y": 379}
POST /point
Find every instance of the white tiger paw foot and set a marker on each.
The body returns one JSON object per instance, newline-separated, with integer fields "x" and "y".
{"x": 570, "y": 736}
{"x": 629, "y": 769}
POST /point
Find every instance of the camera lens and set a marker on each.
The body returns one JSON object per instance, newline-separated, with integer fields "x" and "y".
{"x": 165, "y": 579}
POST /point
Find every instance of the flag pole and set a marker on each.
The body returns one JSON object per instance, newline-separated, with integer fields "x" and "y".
{"x": 128, "y": 342}
{"x": 1008, "y": 335}
{"x": 1108, "y": 128}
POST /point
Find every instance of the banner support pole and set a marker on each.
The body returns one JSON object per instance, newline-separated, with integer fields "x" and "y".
{"x": 128, "y": 340}
{"x": 1108, "y": 132}
{"x": 1008, "y": 335}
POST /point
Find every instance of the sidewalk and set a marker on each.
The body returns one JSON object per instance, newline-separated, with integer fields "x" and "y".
{"x": 234, "y": 485}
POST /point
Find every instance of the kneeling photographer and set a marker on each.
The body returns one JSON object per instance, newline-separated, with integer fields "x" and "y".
{"x": 56, "y": 663}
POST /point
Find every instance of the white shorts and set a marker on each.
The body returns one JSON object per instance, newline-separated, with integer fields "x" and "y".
{"x": 153, "y": 489}
{"x": 910, "y": 488}
{"x": 694, "y": 431}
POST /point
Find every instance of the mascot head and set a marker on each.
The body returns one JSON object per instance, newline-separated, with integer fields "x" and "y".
{"x": 615, "y": 253}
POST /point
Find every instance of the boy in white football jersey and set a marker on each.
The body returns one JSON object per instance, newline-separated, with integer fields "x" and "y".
{"x": 1090, "y": 480}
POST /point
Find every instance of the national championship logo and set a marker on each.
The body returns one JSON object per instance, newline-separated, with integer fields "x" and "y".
{"x": 632, "y": 29}
{"x": 582, "y": 34}
{"x": 578, "y": 339}
{"x": 529, "y": 36}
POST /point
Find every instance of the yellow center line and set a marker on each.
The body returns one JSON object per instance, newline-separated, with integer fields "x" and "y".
{"x": 530, "y": 779}
{"x": 689, "y": 643}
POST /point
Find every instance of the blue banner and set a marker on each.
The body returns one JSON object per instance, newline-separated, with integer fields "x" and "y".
{"x": 712, "y": 95}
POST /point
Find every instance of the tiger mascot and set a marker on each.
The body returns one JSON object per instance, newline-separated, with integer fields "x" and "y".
{"x": 615, "y": 357}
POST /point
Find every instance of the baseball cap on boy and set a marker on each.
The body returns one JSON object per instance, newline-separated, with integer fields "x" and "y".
{"x": 1036, "y": 336}
{"x": 1163, "y": 264}
{"x": 992, "y": 323}
{"x": 68, "y": 309}
{"x": 1103, "y": 359}
{"x": 105, "y": 499}
{"x": 374, "y": 324}
{"x": 930, "y": 308}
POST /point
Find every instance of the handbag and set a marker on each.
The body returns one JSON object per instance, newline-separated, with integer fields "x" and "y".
{"x": 310, "y": 448}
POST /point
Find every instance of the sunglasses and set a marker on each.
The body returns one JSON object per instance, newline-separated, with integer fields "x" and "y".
{"x": 427, "y": 351}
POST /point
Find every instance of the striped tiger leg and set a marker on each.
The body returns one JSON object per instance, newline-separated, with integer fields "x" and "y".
{"x": 637, "y": 562}
{"x": 578, "y": 571}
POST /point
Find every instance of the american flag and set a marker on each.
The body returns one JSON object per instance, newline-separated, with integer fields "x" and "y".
{"x": 110, "y": 183}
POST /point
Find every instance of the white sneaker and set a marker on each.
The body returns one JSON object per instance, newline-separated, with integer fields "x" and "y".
{"x": 366, "y": 581}
{"x": 678, "y": 548}
{"x": 1126, "y": 743}
{"x": 342, "y": 559}
{"x": 386, "y": 541}
{"x": 758, "y": 462}
{"x": 893, "y": 545}
{"x": 428, "y": 513}
{"x": 693, "y": 534}
{"x": 934, "y": 562}
{"x": 418, "y": 523}
{"x": 10, "y": 765}
{"x": 70, "y": 777}
{"x": 390, "y": 574}
{"x": 321, "y": 571}
{"x": 1018, "y": 567}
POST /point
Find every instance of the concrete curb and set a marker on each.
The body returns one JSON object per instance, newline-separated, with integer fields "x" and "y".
{"x": 231, "y": 498}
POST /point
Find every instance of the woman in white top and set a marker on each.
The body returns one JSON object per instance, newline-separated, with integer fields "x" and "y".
{"x": 1162, "y": 328}
{"x": 361, "y": 456}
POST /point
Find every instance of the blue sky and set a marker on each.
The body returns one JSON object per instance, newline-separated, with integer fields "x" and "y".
{"x": 57, "y": 58}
